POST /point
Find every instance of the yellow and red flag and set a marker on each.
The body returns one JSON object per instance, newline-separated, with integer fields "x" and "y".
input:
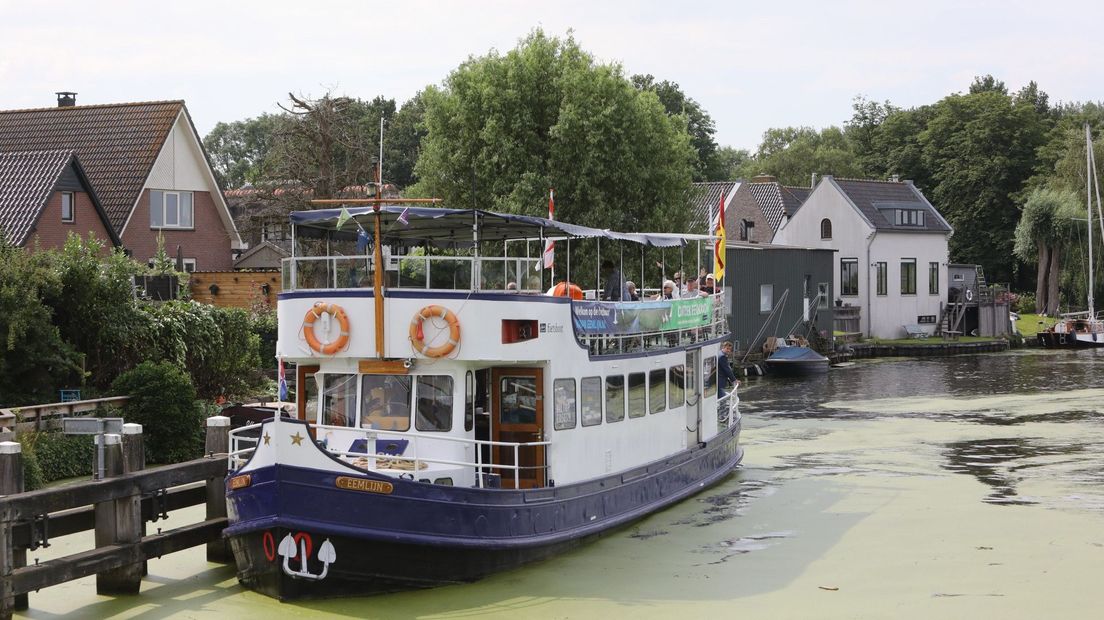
{"x": 719, "y": 243}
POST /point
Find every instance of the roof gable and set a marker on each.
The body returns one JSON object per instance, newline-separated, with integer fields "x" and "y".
{"x": 117, "y": 144}
{"x": 777, "y": 201}
{"x": 704, "y": 199}
{"x": 878, "y": 201}
{"x": 27, "y": 179}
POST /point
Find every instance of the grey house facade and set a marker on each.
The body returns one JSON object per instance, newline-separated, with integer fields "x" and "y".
{"x": 756, "y": 278}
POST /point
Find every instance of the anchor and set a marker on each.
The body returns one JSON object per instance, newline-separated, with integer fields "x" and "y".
{"x": 326, "y": 554}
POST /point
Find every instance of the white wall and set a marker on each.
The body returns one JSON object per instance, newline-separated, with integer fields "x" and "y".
{"x": 888, "y": 314}
{"x": 180, "y": 165}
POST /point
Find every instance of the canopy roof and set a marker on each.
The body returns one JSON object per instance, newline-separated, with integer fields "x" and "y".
{"x": 438, "y": 225}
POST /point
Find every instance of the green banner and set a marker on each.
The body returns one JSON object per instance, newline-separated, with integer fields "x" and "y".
{"x": 689, "y": 313}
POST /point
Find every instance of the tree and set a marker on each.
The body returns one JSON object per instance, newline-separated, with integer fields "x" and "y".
{"x": 238, "y": 149}
{"x": 793, "y": 154}
{"x": 505, "y": 128}
{"x": 709, "y": 166}
{"x": 163, "y": 401}
{"x": 402, "y": 142}
{"x": 730, "y": 161}
{"x": 1042, "y": 232}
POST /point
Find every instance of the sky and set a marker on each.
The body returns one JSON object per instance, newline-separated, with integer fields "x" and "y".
{"x": 751, "y": 65}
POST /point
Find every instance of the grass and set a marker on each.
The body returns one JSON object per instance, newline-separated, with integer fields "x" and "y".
{"x": 1031, "y": 324}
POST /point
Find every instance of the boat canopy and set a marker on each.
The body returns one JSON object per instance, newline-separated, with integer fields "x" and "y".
{"x": 440, "y": 225}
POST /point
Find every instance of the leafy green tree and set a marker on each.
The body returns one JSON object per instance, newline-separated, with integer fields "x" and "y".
{"x": 1041, "y": 235}
{"x": 505, "y": 128}
{"x": 731, "y": 159}
{"x": 402, "y": 142}
{"x": 709, "y": 166}
{"x": 238, "y": 149}
{"x": 793, "y": 154}
{"x": 34, "y": 359}
{"x": 163, "y": 401}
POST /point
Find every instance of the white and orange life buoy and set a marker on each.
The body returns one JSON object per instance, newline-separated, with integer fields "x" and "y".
{"x": 417, "y": 337}
{"x": 315, "y": 313}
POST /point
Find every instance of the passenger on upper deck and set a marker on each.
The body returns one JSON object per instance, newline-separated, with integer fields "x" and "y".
{"x": 709, "y": 285}
{"x": 630, "y": 286}
{"x": 668, "y": 291}
{"x": 511, "y": 286}
{"x": 615, "y": 285}
{"x": 692, "y": 290}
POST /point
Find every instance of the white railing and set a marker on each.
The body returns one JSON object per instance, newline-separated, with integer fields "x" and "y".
{"x": 326, "y": 272}
{"x": 449, "y": 273}
{"x": 727, "y": 409}
{"x": 656, "y": 339}
{"x": 239, "y": 454}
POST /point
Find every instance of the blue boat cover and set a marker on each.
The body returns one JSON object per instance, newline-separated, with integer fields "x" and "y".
{"x": 797, "y": 354}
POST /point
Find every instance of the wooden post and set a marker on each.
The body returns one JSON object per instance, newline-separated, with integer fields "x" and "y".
{"x": 118, "y": 521}
{"x": 11, "y": 482}
{"x": 217, "y": 446}
{"x": 134, "y": 459}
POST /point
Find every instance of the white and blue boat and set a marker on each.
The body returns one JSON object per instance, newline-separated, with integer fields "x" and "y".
{"x": 454, "y": 419}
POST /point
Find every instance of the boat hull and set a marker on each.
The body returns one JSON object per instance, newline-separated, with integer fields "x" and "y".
{"x": 798, "y": 368}
{"x": 424, "y": 535}
{"x": 1055, "y": 340}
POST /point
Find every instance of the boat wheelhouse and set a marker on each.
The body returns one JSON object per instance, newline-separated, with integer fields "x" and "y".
{"x": 454, "y": 419}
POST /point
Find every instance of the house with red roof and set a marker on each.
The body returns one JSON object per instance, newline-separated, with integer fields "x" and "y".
{"x": 146, "y": 166}
{"x": 45, "y": 195}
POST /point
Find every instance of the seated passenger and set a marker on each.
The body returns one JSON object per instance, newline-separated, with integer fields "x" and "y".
{"x": 709, "y": 286}
{"x": 631, "y": 287}
{"x": 668, "y": 291}
{"x": 692, "y": 290}
{"x": 511, "y": 286}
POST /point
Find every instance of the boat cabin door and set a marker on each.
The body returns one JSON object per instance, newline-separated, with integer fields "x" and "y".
{"x": 693, "y": 397}
{"x": 517, "y": 416}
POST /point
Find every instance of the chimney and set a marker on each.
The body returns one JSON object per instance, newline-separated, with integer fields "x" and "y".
{"x": 895, "y": 178}
{"x": 66, "y": 99}
{"x": 812, "y": 180}
{"x": 763, "y": 178}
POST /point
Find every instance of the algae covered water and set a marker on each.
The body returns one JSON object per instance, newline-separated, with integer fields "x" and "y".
{"x": 895, "y": 488}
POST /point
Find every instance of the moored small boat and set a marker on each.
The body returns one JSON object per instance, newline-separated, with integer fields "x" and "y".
{"x": 796, "y": 361}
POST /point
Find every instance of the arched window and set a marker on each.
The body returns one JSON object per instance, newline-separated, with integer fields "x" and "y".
{"x": 826, "y": 228}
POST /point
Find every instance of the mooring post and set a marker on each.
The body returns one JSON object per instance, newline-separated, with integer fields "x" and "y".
{"x": 11, "y": 482}
{"x": 217, "y": 446}
{"x": 134, "y": 459}
{"x": 117, "y": 522}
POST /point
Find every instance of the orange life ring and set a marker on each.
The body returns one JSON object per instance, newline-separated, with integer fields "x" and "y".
{"x": 567, "y": 289}
{"x": 417, "y": 339}
{"x": 316, "y": 312}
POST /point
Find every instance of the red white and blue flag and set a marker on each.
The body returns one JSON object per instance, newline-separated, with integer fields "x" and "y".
{"x": 283, "y": 382}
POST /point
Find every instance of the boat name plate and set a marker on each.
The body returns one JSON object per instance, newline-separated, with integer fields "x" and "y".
{"x": 363, "y": 484}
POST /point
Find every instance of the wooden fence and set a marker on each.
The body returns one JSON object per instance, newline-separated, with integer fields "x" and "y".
{"x": 117, "y": 508}
{"x": 16, "y": 420}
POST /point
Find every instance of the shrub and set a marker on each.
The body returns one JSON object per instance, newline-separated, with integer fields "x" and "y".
{"x": 163, "y": 401}
{"x": 1025, "y": 303}
{"x": 57, "y": 456}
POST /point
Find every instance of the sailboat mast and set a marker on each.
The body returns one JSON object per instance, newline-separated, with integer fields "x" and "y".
{"x": 1088, "y": 202}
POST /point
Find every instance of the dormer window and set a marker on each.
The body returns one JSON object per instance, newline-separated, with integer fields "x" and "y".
{"x": 909, "y": 217}
{"x": 826, "y": 228}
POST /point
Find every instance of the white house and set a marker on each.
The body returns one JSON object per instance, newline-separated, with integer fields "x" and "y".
{"x": 891, "y": 248}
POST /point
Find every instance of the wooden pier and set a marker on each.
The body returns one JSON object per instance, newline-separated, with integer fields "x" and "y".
{"x": 117, "y": 508}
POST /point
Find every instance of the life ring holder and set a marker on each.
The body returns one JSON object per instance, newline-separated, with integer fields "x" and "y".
{"x": 315, "y": 313}
{"x": 417, "y": 339}
{"x": 969, "y": 294}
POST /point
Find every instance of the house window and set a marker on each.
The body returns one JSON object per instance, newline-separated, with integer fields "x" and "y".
{"x": 275, "y": 230}
{"x": 824, "y": 295}
{"x": 747, "y": 230}
{"x": 826, "y": 228}
{"x": 910, "y": 217}
{"x": 908, "y": 276}
{"x": 171, "y": 209}
{"x": 67, "y": 210}
{"x": 883, "y": 278}
{"x": 933, "y": 278}
{"x": 766, "y": 297}
{"x": 849, "y": 276}
{"x": 189, "y": 265}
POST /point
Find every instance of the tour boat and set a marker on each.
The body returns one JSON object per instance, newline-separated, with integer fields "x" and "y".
{"x": 454, "y": 419}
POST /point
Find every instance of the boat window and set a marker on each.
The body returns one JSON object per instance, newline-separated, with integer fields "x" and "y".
{"x": 563, "y": 403}
{"x": 615, "y": 398}
{"x": 469, "y": 401}
{"x": 590, "y": 400}
{"x": 657, "y": 393}
{"x": 678, "y": 387}
{"x": 518, "y": 400}
{"x": 385, "y": 402}
{"x": 338, "y": 399}
{"x": 434, "y": 403}
{"x": 637, "y": 395}
{"x": 709, "y": 370}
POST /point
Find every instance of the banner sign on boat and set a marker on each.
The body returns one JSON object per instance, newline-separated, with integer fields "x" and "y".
{"x": 364, "y": 484}
{"x": 596, "y": 317}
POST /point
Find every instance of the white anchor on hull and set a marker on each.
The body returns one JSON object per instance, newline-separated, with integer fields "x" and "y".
{"x": 326, "y": 554}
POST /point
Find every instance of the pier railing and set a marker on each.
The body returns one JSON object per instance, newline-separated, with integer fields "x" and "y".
{"x": 16, "y": 420}
{"x": 117, "y": 508}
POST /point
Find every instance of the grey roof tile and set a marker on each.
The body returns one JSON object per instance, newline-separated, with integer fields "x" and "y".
{"x": 877, "y": 200}
{"x": 27, "y": 179}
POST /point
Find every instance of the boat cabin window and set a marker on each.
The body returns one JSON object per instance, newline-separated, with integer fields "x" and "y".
{"x": 385, "y": 402}
{"x": 563, "y": 403}
{"x": 615, "y": 398}
{"x": 678, "y": 387}
{"x": 709, "y": 371}
{"x": 338, "y": 399}
{"x": 638, "y": 393}
{"x": 518, "y": 400}
{"x": 434, "y": 403}
{"x": 590, "y": 400}
{"x": 657, "y": 389}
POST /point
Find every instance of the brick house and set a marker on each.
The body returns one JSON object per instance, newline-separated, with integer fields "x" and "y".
{"x": 45, "y": 195}
{"x": 760, "y": 207}
{"x": 147, "y": 166}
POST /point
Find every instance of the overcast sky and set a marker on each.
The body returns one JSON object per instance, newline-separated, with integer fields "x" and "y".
{"x": 752, "y": 66}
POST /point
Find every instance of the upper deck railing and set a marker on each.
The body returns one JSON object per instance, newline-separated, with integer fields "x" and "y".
{"x": 448, "y": 273}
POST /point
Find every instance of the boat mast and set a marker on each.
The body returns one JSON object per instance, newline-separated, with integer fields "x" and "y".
{"x": 1088, "y": 201}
